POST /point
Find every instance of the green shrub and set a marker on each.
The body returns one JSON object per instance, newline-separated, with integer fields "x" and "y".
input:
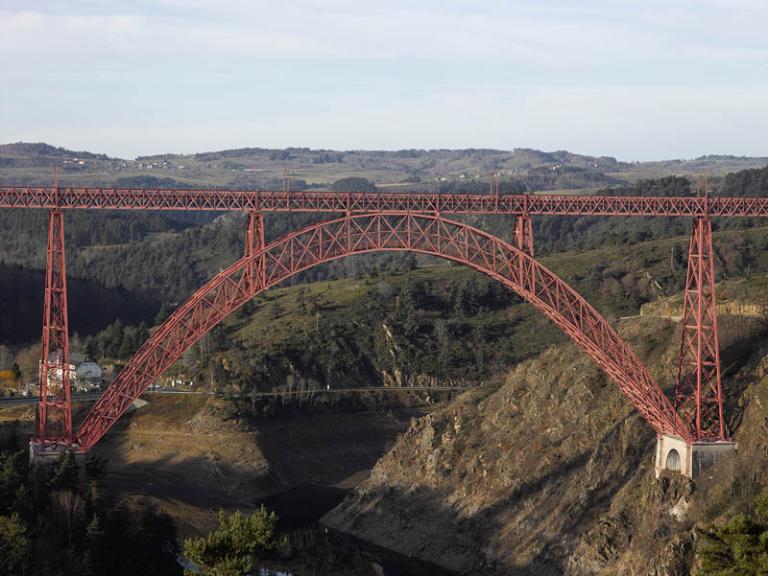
{"x": 228, "y": 551}
{"x": 738, "y": 548}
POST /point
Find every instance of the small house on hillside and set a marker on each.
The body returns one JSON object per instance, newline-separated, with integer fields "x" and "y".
{"x": 84, "y": 376}
{"x": 89, "y": 376}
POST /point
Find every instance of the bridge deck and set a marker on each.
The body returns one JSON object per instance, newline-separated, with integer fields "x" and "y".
{"x": 360, "y": 202}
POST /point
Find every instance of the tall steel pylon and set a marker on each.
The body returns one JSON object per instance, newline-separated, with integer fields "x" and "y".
{"x": 524, "y": 234}
{"x": 698, "y": 394}
{"x": 254, "y": 247}
{"x": 54, "y": 415}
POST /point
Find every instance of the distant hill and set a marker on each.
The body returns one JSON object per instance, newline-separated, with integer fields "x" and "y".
{"x": 41, "y": 149}
{"x": 408, "y": 169}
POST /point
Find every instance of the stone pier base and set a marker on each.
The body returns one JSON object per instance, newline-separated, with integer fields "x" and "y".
{"x": 675, "y": 455}
{"x": 43, "y": 454}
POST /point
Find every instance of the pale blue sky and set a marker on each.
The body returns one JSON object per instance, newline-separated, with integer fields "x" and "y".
{"x": 637, "y": 80}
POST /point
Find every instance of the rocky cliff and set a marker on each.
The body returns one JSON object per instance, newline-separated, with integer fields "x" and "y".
{"x": 552, "y": 472}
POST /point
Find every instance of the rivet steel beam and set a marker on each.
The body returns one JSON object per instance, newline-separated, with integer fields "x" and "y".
{"x": 698, "y": 393}
{"x": 364, "y": 233}
{"x": 367, "y": 202}
{"x": 54, "y": 408}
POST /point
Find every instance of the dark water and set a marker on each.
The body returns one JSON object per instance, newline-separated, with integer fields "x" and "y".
{"x": 321, "y": 550}
{"x": 302, "y": 506}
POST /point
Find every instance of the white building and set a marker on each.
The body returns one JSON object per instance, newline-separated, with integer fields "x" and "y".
{"x": 89, "y": 376}
{"x": 83, "y": 376}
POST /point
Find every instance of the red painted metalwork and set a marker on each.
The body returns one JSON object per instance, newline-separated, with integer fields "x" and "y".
{"x": 54, "y": 409}
{"x": 368, "y": 202}
{"x": 698, "y": 394}
{"x": 254, "y": 248}
{"x": 524, "y": 234}
{"x": 357, "y": 234}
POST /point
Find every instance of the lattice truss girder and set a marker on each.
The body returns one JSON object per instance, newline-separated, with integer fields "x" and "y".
{"x": 698, "y": 394}
{"x": 359, "y": 202}
{"x": 524, "y": 234}
{"x": 54, "y": 413}
{"x": 357, "y": 234}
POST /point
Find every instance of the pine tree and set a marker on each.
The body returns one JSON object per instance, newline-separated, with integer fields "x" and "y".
{"x": 14, "y": 544}
{"x": 66, "y": 474}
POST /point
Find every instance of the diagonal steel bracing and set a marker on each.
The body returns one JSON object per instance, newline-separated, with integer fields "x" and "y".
{"x": 366, "y": 202}
{"x": 54, "y": 409}
{"x": 698, "y": 394}
{"x": 262, "y": 268}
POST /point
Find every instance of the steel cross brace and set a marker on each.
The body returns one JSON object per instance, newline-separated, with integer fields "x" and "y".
{"x": 698, "y": 394}
{"x": 54, "y": 413}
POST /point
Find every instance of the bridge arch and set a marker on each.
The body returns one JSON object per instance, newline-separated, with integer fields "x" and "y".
{"x": 383, "y": 231}
{"x": 673, "y": 461}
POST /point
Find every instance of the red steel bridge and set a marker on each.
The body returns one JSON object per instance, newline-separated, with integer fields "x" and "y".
{"x": 370, "y": 222}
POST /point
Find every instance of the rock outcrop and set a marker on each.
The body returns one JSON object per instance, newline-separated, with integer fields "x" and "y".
{"x": 550, "y": 473}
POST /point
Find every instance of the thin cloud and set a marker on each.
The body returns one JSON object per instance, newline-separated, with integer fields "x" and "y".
{"x": 327, "y": 30}
{"x": 638, "y": 80}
